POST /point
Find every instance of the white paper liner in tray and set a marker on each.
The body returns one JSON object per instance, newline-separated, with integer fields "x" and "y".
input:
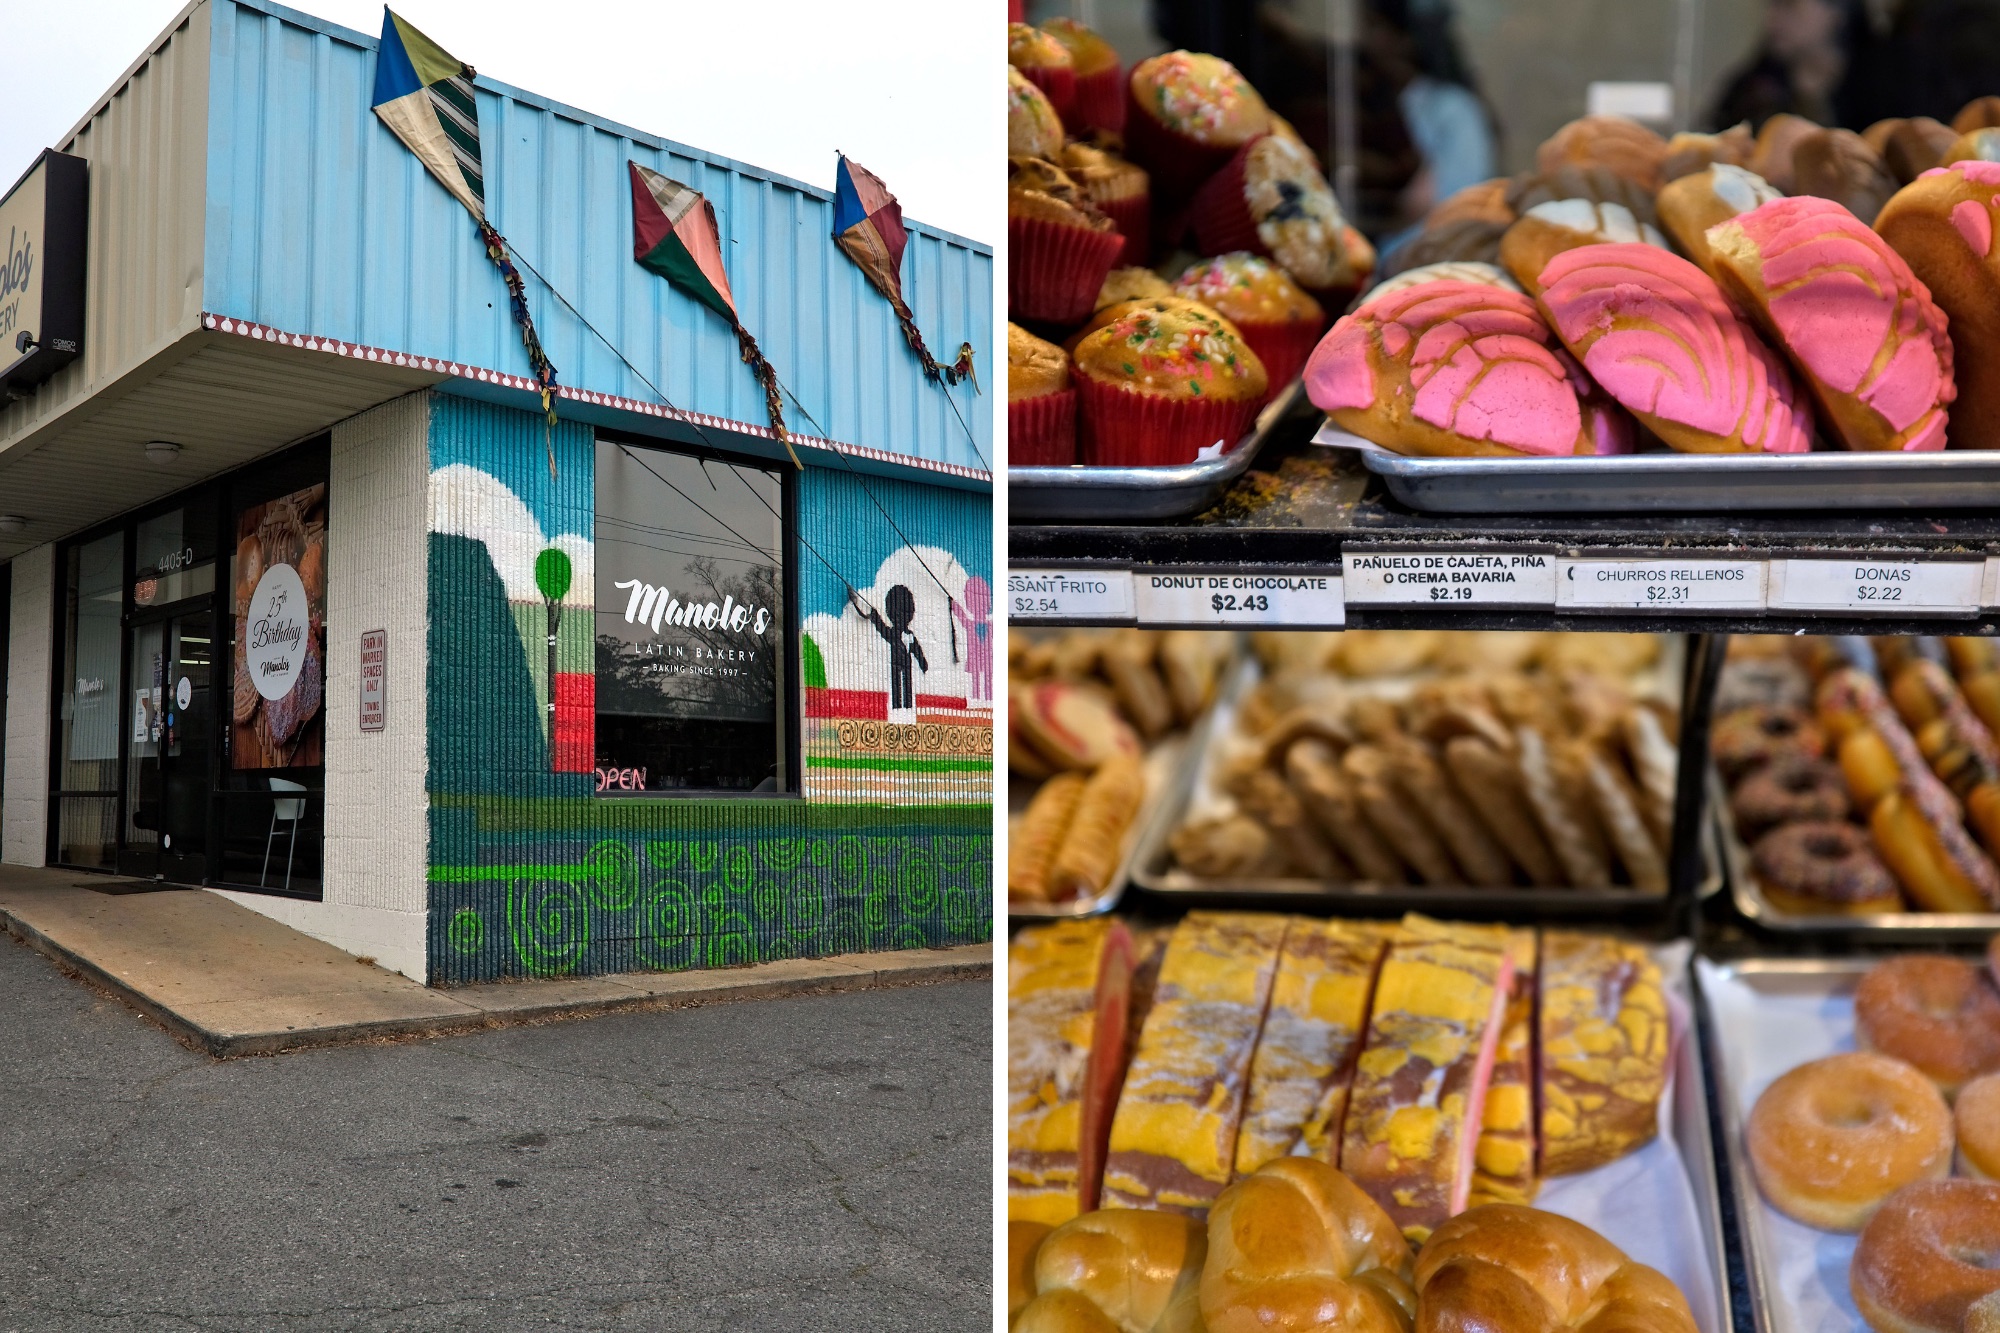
{"x": 1771, "y": 1033}
{"x": 1645, "y": 1203}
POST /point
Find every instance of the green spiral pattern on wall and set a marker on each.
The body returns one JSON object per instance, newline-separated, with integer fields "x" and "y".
{"x": 467, "y": 931}
{"x": 549, "y": 924}
{"x": 782, "y": 854}
{"x": 614, "y": 876}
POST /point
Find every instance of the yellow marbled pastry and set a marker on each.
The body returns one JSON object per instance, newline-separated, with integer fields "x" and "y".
{"x": 1051, "y": 1014}
{"x": 1173, "y": 1138}
{"x": 1304, "y": 1063}
{"x": 1420, "y": 1086}
{"x": 1604, "y": 1050}
{"x": 1503, "y": 1165}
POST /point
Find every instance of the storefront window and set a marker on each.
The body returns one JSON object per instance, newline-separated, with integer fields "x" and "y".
{"x": 92, "y": 688}
{"x": 691, "y": 623}
{"x": 173, "y": 557}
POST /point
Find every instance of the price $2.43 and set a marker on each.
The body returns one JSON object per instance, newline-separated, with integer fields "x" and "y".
{"x": 1229, "y": 603}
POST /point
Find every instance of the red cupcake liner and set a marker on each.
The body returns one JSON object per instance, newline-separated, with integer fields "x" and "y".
{"x": 1099, "y": 102}
{"x": 1121, "y": 428}
{"x": 1055, "y": 272}
{"x": 1134, "y": 217}
{"x": 1220, "y": 212}
{"x": 1017, "y": 11}
{"x": 1177, "y": 164}
{"x": 1041, "y": 432}
{"x": 1058, "y": 84}
{"x": 1283, "y": 348}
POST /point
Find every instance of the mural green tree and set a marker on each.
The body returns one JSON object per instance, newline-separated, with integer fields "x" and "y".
{"x": 552, "y": 577}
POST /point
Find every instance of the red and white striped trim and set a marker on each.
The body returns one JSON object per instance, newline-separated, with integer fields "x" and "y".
{"x": 243, "y": 328}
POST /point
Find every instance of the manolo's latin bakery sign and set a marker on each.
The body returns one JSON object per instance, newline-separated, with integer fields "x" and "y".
{"x": 42, "y": 233}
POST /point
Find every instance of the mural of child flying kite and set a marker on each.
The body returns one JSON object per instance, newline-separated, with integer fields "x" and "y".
{"x": 901, "y": 604}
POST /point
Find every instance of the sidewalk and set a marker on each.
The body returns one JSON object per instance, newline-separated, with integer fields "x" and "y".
{"x": 231, "y": 982}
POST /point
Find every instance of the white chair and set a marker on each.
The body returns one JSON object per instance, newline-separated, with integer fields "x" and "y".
{"x": 283, "y": 811}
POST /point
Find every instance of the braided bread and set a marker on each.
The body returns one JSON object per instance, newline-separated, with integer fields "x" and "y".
{"x": 1124, "y": 1269}
{"x": 1505, "y": 1266}
{"x": 1298, "y": 1246}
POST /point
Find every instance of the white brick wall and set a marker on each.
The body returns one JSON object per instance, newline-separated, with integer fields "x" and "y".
{"x": 24, "y": 803}
{"x": 377, "y": 827}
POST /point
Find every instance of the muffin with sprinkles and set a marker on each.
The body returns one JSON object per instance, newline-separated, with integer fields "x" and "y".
{"x": 1041, "y": 405}
{"x": 1189, "y": 113}
{"x": 1271, "y": 199}
{"x": 1158, "y": 387}
{"x": 1046, "y": 63}
{"x": 1099, "y": 100}
{"x": 1059, "y": 246}
{"x": 1279, "y": 321}
{"x": 1033, "y": 127}
{"x": 1120, "y": 189}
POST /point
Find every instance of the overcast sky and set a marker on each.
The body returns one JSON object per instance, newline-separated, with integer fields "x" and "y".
{"x": 912, "y": 89}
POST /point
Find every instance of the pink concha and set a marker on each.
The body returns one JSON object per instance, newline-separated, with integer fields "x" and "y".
{"x": 1841, "y": 298}
{"x": 1479, "y": 361}
{"x": 1663, "y": 341}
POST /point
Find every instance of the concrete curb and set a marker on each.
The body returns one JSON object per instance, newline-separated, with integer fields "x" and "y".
{"x": 519, "y": 1004}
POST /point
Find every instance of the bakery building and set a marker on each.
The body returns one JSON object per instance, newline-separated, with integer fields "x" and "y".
{"x": 311, "y": 595}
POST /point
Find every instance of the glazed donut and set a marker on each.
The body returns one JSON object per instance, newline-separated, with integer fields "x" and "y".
{"x": 1832, "y": 1139}
{"x": 1983, "y": 1315}
{"x": 1939, "y": 1014}
{"x": 1977, "y": 1113}
{"x": 1823, "y": 868}
{"x": 1787, "y": 791}
{"x": 1922, "y": 1262}
{"x": 1752, "y": 737}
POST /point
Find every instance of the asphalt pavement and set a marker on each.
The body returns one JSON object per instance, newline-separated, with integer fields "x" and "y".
{"x": 809, "y": 1163}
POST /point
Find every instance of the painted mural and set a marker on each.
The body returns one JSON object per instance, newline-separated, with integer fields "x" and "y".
{"x": 534, "y": 873}
{"x": 898, "y": 673}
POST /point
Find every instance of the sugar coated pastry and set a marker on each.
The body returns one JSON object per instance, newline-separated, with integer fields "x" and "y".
{"x": 1548, "y": 229}
{"x": 1838, "y": 165}
{"x": 1188, "y": 114}
{"x": 1485, "y": 275}
{"x": 1856, "y": 322}
{"x": 1599, "y": 185}
{"x": 1449, "y": 368}
{"x": 1938, "y": 1013}
{"x": 1505, "y": 1267}
{"x": 1942, "y": 225}
{"x": 1830, "y": 1140}
{"x": 1612, "y": 142}
{"x": 1658, "y": 335}
{"x": 1977, "y": 1113}
{"x": 1692, "y": 204}
{"x": 1921, "y": 1264}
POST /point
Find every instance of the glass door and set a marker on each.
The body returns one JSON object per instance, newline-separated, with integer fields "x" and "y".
{"x": 170, "y": 726}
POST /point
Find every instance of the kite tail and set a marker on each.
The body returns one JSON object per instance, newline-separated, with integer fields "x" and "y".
{"x": 517, "y": 301}
{"x": 753, "y": 357}
{"x": 960, "y": 368}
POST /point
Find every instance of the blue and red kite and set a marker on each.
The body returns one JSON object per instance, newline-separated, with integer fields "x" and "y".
{"x": 868, "y": 225}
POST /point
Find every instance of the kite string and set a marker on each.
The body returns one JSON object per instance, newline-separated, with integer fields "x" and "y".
{"x": 661, "y": 395}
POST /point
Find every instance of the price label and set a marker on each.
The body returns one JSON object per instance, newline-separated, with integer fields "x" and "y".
{"x": 1990, "y": 586}
{"x": 1659, "y": 583}
{"x": 1878, "y": 587}
{"x": 1069, "y": 594}
{"x": 1445, "y": 578}
{"x": 1302, "y": 599}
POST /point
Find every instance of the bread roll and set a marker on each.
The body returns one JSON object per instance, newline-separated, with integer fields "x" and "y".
{"x": 1838, "y": 165}
{"x": 1505, "y": 1267}
{"x": 1612, "y": 142}
{"x": 1691, "y": 205}
{"x": 1942, "y": 227}
{"x": 1117, "y": 1269}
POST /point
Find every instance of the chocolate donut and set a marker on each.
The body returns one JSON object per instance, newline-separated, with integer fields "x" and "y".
{"x": 1754, "y": 737}
{"x": 1788, "y": 790}
{"x": 1823, "y": 868}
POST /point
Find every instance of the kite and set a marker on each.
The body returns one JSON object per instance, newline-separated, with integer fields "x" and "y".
{"x": 674, "y": 234}
{"x": 425, "y": 96}
{"x": 868, "y": 225}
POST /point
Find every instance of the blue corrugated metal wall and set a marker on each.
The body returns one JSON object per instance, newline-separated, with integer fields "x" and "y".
{"x": 320, "y": 222}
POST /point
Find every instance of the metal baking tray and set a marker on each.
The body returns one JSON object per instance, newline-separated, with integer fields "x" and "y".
{"x": 1880, "y": 927}
{"x": 1153, "y": 871}
{"x": 1695, "y": 1138}
{"x": 1164, "y": 760}
{"x": 1085, "y": 494}
{"x": 1678, "y": 483}
{"x": 1825, "y": 981}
